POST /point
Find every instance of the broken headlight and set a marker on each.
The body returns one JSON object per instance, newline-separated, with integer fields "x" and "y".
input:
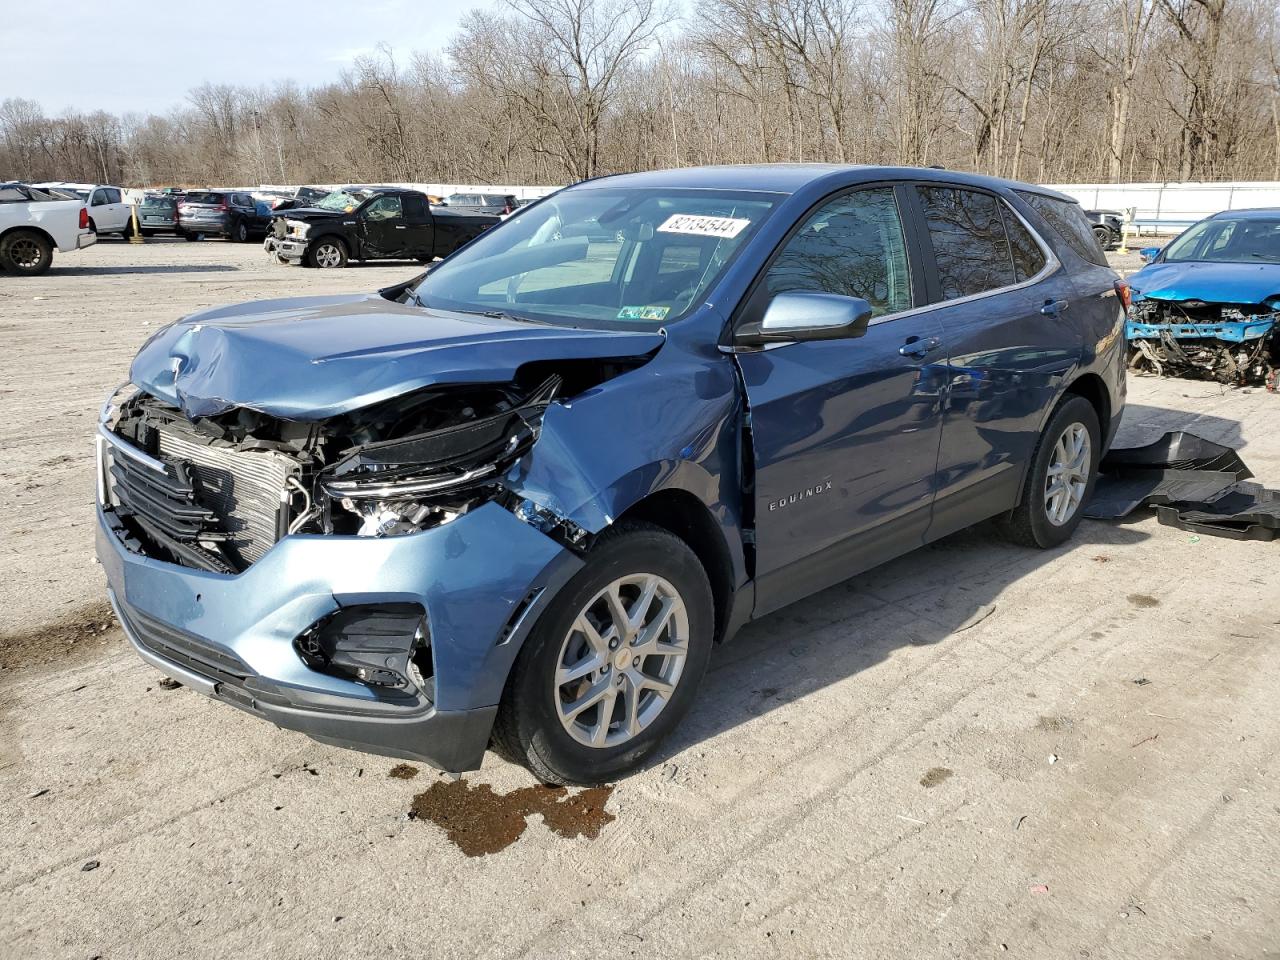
{"x": 403, "y": 485}
{"x": 297, "y": 228}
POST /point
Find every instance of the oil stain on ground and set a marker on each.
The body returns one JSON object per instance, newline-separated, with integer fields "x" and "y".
{"x": 1143, "y": 600}
{"x": 76, "y": 634}
{"x": 479, "y": 821}
{"x": 935, "y": 776}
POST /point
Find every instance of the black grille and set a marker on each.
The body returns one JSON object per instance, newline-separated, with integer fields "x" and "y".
{"x": 167, "y": 499}
{"x": 184, "y": 649}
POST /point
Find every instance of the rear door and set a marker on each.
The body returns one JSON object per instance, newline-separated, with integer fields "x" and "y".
{"x": 1000, "y": 293}
{"x": 419, "y": 234}
{"x": 844, "y": 432}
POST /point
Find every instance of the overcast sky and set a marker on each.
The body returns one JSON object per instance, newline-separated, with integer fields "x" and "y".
{"x": 144, "y": 55}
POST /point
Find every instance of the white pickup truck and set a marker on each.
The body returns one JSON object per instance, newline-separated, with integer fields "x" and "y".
{"x": 32, "y": 226}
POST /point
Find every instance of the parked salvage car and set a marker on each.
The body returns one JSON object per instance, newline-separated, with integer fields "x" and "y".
{"x": 108, "y": 211}
{"x": 158, "y": 213}
{"x": 522, "y": 497}
{"x": 1108, "y": 226}
{"x": 498, "y": 204}
{"x": 372, "y": 223}
{"x": 34, "y": 223}
{"x": 1208, "y": 305}
{"x": 233, "y": 214}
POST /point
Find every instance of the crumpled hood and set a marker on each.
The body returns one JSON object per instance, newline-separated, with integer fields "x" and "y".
{"x": 312, "y": 358}
{"x": 1211, "y": 282}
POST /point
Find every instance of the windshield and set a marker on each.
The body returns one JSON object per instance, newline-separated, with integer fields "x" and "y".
{"x": 1229, "y": 240}
{"x": 199, "y": 197}
{"x": 601, "y": 257}
{"x": 341, "y": 200}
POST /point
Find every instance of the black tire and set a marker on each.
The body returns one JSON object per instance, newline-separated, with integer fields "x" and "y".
{"x": 1028, "y": 524}
{"x": 528, "y": 729}
{"x": 240, "y": 232}
{"x": 1104, "y": 237}
{"x": 192, "y": 236}
{"x": 316, "y": 253}
{"x": 26, "y": 253}
{"x": 93, "y": 227}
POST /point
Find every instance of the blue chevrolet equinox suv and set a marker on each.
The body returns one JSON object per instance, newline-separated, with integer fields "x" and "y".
{"x": 517, "y": 500}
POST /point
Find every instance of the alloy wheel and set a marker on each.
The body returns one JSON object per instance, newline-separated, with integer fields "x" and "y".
{"x": 25, "y": 253}
{"x": 1067, "y": 478}
{"x": 620, "y": 662}
{"x": 327, "y": 255}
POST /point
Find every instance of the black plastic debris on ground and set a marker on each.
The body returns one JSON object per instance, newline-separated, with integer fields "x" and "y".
{"x": 1194, "y": 484}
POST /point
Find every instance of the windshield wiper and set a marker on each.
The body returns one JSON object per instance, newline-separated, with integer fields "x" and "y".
{"x": 501, "y": 315}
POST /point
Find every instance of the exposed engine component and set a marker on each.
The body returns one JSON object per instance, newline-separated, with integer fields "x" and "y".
{"x": 1236, "y": 344}
{"x": 216, "y": 493}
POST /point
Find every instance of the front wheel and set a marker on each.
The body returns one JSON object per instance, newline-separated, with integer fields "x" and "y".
{"x": 613, "y": 663}
{"x": 1104, "y": 237}
{"x": 327, "y": 254}
{"x": 1060, "y": 481}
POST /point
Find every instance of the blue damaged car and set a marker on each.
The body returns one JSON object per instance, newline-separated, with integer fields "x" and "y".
{"x": 1208, "y": 305}
{"x": 518, "y": 500}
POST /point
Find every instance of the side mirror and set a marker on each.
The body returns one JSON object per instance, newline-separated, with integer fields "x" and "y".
{"x": 798, "y": 316}
{"x": 1149, "y": 253}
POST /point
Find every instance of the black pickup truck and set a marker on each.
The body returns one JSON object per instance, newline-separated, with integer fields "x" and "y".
{"x": 371, "y": 223}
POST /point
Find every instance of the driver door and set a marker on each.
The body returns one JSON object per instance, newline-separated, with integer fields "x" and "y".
{"x": 383, "y": 232}
{"x": 845, "y": 433}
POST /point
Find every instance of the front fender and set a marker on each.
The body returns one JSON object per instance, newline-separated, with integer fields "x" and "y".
{"x": 672, "y": 424}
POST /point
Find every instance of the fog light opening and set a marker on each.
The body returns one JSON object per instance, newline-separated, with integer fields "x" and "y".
{"x": 384, "y": 646}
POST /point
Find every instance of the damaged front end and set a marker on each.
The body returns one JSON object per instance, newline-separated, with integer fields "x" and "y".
{"x": 1231, "y": 343}
{"x": 218, "y": 492}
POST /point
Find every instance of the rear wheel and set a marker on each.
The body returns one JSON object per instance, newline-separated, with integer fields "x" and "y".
{"x": 1103, "y": 235}
{"x": 327, "y": 253}
{"x": 1060, "y": 481}
{"x": 613, "y": 663}
{"x": 240, "y": 232}
{"x": 26, "y": 253}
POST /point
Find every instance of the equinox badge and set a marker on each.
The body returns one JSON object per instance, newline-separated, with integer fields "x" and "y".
{"x": 799, "y": 495}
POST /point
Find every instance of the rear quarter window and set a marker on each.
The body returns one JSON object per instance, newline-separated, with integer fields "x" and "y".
{"x": 1069, "y": 222}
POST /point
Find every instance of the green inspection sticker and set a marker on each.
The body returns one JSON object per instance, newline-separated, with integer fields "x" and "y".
{"x": 643, "y": 313}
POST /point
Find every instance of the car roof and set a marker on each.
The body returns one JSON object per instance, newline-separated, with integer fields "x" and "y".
{"x": 1253, "y": 213}
{"x": 792, "y": 177}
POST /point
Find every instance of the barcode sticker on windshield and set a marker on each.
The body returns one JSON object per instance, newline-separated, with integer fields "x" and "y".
{"x": 727, "y": 227}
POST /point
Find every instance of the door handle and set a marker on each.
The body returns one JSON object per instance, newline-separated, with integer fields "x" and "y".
{"x": 1052, "y": 308}
{"x": 919, "y": 346}
{"x": 401, "y": 226}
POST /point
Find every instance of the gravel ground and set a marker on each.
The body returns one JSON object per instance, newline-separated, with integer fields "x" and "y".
{"x": 974, "y": 751}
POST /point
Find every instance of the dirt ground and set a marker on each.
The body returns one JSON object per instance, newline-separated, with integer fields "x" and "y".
{"x": 974, "y": 751}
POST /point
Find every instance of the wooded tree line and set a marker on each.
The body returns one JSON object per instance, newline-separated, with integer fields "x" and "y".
{"x": 552, "y": 91}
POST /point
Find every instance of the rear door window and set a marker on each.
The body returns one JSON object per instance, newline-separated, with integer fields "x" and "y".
{"x": 970, "y": 246}
{"x": 852, "y": 246}
{"x": 1028, "y": 258}
{"x": 415, "y": 206}
{"x": 1070, "y": 223}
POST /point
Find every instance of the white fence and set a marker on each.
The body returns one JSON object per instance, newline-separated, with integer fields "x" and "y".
{"x": 1171, "y": 204}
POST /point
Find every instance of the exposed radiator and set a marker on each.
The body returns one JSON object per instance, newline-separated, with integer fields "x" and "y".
{"x": 246, "y": 490}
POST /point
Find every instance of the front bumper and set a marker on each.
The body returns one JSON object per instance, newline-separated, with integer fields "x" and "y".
{"x": 483, "y": 580}
{"x": 290, "y": 248}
